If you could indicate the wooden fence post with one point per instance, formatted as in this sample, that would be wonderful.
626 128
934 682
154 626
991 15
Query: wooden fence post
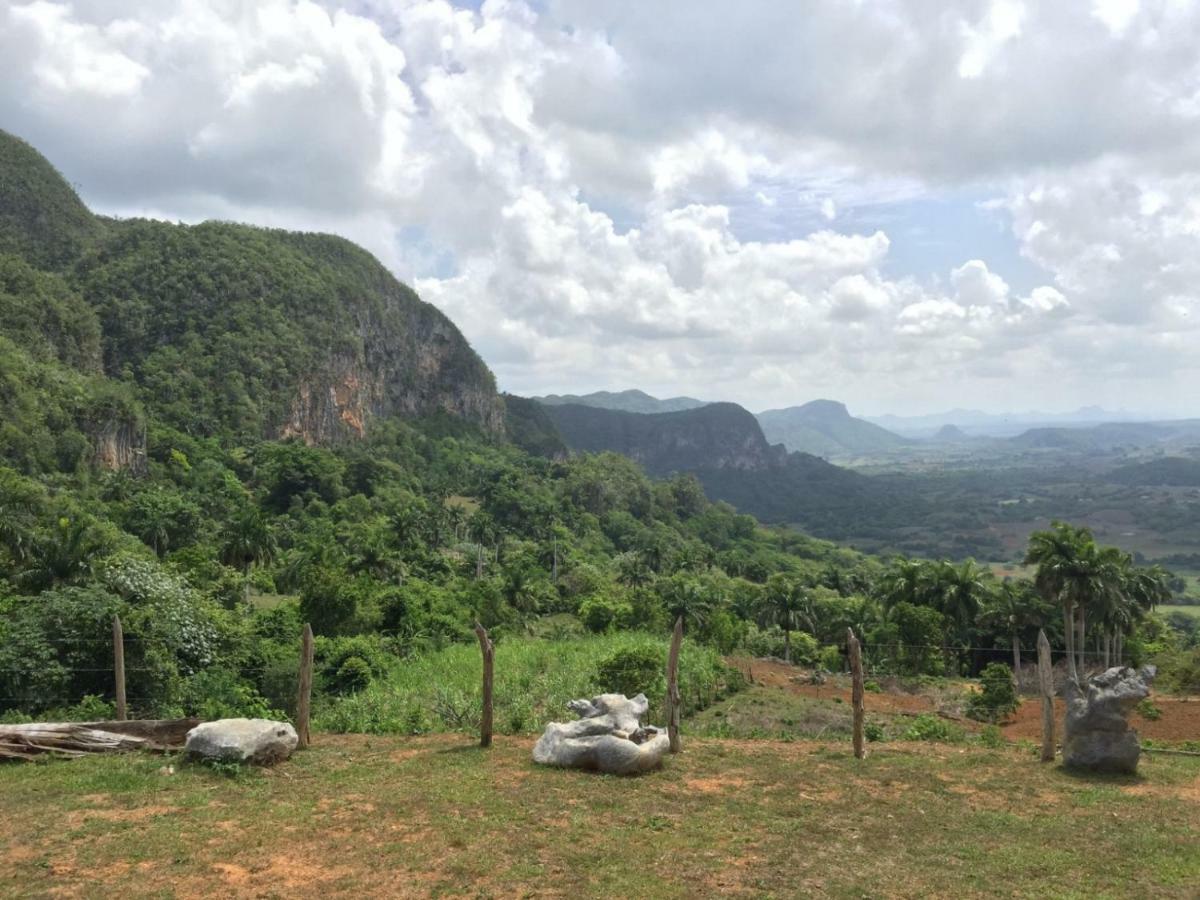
304 696
856 691
1046 688
488 649
119 667
674 701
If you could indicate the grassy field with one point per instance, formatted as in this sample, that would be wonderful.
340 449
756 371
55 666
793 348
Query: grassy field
435 816
534 680
1193 611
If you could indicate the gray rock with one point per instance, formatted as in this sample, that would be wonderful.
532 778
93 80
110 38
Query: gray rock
608 737
258 741
1097 735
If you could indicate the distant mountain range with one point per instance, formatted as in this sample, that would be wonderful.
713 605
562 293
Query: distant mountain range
975 423
624 401
822 427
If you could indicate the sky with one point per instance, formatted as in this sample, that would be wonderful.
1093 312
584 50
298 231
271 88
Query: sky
900 204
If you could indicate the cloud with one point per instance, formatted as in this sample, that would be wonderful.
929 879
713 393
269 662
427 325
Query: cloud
702 202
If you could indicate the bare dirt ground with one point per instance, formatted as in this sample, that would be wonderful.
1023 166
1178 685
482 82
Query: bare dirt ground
1180 719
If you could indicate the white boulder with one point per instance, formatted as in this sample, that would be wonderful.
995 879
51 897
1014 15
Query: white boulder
261 742
608 737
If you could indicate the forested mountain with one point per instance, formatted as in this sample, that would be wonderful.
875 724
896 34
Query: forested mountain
716 436
624 401
826 428
723 446
216 328
219 432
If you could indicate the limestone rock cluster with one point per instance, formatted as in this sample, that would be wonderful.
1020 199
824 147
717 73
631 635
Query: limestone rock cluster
1097 734
608 737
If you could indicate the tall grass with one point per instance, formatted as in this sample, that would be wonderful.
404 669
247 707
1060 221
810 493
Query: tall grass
535 678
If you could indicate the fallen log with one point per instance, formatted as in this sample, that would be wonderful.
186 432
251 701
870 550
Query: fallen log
71 739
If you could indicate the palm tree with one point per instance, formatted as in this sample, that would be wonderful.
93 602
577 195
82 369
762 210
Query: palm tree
785 603
1140 590
248 539
906 581
66 553
957 593
1014 608
686 597
1077 575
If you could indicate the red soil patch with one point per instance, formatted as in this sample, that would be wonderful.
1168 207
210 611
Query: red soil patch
1180 720
836 687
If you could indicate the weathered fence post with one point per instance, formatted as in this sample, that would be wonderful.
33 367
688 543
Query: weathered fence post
119 667
674 701
488 649
304 696
1046 689
856 691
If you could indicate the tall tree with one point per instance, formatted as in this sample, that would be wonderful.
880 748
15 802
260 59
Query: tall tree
785 603
1073 572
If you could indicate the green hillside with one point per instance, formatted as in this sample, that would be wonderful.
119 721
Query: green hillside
222 328
42 220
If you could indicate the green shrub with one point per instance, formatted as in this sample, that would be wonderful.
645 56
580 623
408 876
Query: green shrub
997 698
871 686
873 732
929 727
601 614
353 675
220 694
991 737
830 658
637 670
1148 710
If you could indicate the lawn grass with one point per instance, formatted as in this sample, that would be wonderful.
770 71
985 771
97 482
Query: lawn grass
435 816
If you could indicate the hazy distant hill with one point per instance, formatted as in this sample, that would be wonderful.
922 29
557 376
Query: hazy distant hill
624 401
826 428
1109 436
951 434
974 422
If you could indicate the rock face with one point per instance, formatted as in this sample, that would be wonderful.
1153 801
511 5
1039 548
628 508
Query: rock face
1098 737
120 444
261 742
608 737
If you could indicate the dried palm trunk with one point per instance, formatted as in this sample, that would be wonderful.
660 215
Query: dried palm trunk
78 738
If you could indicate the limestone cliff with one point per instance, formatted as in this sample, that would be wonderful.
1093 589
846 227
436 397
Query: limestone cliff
222 330
716 436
